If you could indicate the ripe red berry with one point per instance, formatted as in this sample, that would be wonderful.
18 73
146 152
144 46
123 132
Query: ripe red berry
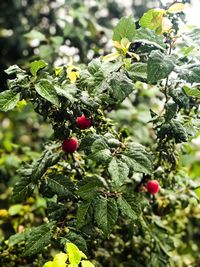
70 145
83 122
152 187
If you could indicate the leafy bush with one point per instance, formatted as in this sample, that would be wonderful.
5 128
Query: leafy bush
140 108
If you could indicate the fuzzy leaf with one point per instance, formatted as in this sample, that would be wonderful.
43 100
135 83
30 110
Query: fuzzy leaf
137 158
119 172
45 89
159 66
8 100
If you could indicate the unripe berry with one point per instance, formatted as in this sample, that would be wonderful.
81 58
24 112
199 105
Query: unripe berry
152 187
83 122
70 145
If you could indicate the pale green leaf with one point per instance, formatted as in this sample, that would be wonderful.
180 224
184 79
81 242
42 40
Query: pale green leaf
35 66
124 29
47 91
8 100
153 20
194 91
35 35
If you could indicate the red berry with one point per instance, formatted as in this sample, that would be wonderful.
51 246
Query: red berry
83 122
152 187
70 145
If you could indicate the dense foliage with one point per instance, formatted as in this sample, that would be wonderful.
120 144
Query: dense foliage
111 161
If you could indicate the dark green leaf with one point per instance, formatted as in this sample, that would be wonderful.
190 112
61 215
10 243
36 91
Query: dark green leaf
38 238
119 172
89 187
106 214
82 213
126 208
137 158
138 70
159 66
24 188
59 184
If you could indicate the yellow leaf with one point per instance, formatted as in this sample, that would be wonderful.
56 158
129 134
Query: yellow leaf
125 44
60 260
177 7
117 45
75 255
48 264
58 70
86 263
111 57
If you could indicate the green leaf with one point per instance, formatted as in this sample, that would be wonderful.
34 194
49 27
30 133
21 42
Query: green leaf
159 66
76 239
59 184
106 214
15 209
119 172
75 255
35 66
153 20
126 208
8 100
190 73
45 89
35 35
100 151
82 213
18 238
38 238
125 28
137 158
194 91
121 86
149 37
49 157
138 70
68 91
14 69
23 189
89 187
30 174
